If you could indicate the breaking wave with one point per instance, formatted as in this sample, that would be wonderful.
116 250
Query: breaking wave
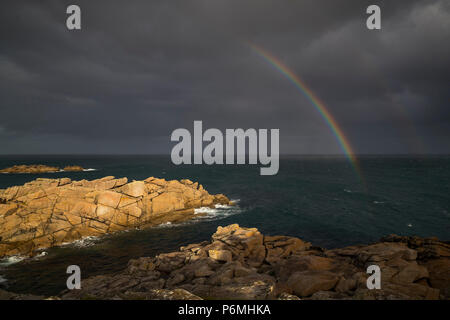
219 211
82 243
11 260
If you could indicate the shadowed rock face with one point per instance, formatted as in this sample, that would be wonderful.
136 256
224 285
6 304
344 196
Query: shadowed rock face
38 168
48 212
241 263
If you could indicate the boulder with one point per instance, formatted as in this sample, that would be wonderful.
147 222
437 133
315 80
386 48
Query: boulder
220 255
108 198
134 189
306 283
439 275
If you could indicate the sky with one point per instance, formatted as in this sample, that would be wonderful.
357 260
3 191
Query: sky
137 70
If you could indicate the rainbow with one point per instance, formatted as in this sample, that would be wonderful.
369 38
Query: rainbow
316 102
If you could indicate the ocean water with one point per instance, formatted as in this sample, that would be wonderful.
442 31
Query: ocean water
318 199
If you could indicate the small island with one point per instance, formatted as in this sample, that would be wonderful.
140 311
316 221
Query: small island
39 168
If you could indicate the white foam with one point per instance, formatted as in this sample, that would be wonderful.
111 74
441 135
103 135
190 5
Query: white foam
219 211
82 243
89 169
2 279
40 255
11 260
165 225
206 210
378 202
223 206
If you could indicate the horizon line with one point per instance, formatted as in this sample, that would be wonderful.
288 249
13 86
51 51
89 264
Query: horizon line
168 154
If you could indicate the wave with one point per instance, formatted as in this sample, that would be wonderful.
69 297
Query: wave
206 210
82 243
5 262
166 225
220 211
84 170
3 280
11 260
40 255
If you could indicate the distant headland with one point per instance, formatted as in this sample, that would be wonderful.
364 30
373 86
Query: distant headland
39 168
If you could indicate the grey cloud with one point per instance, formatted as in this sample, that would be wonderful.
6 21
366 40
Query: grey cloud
140 69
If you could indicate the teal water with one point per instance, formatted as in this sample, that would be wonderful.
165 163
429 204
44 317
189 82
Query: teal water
318 199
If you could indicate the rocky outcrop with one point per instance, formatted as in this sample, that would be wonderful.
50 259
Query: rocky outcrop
34 168
38 168
73 168
48 212
241 263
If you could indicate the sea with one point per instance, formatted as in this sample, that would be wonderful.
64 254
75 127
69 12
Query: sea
321 199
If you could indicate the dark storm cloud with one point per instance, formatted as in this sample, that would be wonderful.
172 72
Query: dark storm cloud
139 69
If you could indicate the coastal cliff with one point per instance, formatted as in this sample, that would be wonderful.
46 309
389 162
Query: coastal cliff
242 263
48 212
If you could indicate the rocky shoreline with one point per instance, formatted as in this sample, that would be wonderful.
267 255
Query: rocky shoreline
237 263
49 212
39 168
242 263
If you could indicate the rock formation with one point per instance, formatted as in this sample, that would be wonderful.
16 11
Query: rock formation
48 212
34 168
38 168
73 168
241 263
